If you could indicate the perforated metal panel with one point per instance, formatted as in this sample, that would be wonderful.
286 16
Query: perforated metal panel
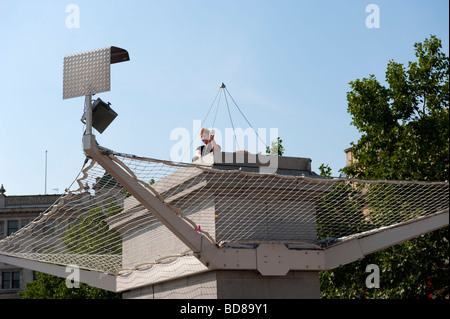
87 73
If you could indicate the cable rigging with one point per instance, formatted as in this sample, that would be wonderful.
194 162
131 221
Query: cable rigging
224 91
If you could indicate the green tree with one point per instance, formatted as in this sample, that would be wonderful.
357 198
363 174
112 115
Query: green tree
404 126
325 170
417 269
88 235
91 235
275 148
404 130
339 212
51 287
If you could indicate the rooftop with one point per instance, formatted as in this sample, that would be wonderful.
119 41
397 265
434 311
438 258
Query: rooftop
258 163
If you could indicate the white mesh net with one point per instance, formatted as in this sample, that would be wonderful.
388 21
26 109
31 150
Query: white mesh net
101 226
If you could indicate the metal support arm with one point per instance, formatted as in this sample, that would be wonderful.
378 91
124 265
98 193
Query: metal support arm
199 244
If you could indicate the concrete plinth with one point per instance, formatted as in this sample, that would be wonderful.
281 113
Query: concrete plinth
233 285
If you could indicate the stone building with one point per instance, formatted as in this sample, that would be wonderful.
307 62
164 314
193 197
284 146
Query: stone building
16 212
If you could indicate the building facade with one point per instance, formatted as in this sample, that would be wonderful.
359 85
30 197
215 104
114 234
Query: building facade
15 213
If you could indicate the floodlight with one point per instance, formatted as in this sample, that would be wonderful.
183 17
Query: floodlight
89 72
102 115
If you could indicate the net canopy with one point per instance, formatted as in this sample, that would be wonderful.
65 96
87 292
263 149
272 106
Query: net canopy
99 225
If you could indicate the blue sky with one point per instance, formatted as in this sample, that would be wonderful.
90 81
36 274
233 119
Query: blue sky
286 63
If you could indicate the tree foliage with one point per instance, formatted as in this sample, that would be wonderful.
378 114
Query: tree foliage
325 170
417 269
404 130
91 235
404 126
88 235
51 287
276 148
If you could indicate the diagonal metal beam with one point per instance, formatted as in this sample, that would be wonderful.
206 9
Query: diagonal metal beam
204 249
357 247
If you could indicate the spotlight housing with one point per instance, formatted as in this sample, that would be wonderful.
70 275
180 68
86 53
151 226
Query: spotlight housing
102 115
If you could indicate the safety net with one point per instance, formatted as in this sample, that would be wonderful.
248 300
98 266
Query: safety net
99 225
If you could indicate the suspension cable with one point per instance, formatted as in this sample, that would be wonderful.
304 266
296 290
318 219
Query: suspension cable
201 124
232 124
244 116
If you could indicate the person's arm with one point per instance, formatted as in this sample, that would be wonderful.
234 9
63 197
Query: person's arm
214 146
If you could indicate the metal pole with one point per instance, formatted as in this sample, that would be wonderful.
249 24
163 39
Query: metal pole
88 112
45 191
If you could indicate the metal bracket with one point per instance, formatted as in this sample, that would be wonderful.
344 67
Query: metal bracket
272 259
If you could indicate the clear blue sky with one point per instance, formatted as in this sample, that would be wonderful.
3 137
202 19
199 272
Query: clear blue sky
286 63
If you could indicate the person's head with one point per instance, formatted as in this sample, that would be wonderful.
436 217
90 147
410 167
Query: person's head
204 135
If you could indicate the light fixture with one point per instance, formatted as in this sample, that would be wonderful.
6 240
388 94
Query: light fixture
89 73
102 115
